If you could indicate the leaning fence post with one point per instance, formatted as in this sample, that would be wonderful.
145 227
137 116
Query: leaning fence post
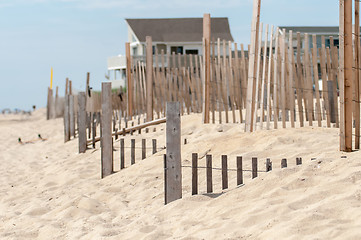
194 173
106 133
254 167
224 172
82 122
94 132
239 171
173 158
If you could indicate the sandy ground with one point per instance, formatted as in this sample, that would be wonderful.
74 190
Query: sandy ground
49 191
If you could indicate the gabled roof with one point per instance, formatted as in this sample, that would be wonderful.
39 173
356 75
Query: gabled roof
178 29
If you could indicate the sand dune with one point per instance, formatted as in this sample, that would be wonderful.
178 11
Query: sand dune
49 191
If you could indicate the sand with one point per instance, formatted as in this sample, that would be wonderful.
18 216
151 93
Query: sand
49 191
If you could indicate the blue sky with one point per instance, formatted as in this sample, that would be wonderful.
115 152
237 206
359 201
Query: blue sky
77 36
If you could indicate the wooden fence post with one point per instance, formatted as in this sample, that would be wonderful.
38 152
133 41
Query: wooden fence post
251 88
207 65
254 167
71 115
149 76
239 171
129 81
82 122
144 154
121 153
173 159
66 119
284 163
268 165
331 101
298 161
209 174
224 172
106 131
154 142
94 125
132 151
194 173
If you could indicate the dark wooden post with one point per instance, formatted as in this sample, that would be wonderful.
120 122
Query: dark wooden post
122 153
106 131
82 122
284 163
132 151
239 171
268 165
224 172
209 174
144 155
154 143
254 167
194 173
298 161
173 145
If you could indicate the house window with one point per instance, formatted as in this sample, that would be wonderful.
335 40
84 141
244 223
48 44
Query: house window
135 51
192 51
176 49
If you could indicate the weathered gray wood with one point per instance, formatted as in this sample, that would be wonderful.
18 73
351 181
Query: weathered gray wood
194 173
132 151
122 153
144 149
165 179
82 122
129 81
209 174
224 172
149 76
154 142
284 163
173 146
239 171
254 167
66 119
331 101
106 131
268 165
71 115
298 161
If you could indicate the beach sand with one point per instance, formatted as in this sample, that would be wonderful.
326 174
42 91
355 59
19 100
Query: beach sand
49 191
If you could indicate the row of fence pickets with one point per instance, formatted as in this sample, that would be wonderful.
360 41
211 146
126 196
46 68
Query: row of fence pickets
228 86
224 169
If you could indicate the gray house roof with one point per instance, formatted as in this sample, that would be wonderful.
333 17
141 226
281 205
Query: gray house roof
179 29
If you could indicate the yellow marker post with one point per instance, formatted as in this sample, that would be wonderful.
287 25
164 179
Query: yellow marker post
51 79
